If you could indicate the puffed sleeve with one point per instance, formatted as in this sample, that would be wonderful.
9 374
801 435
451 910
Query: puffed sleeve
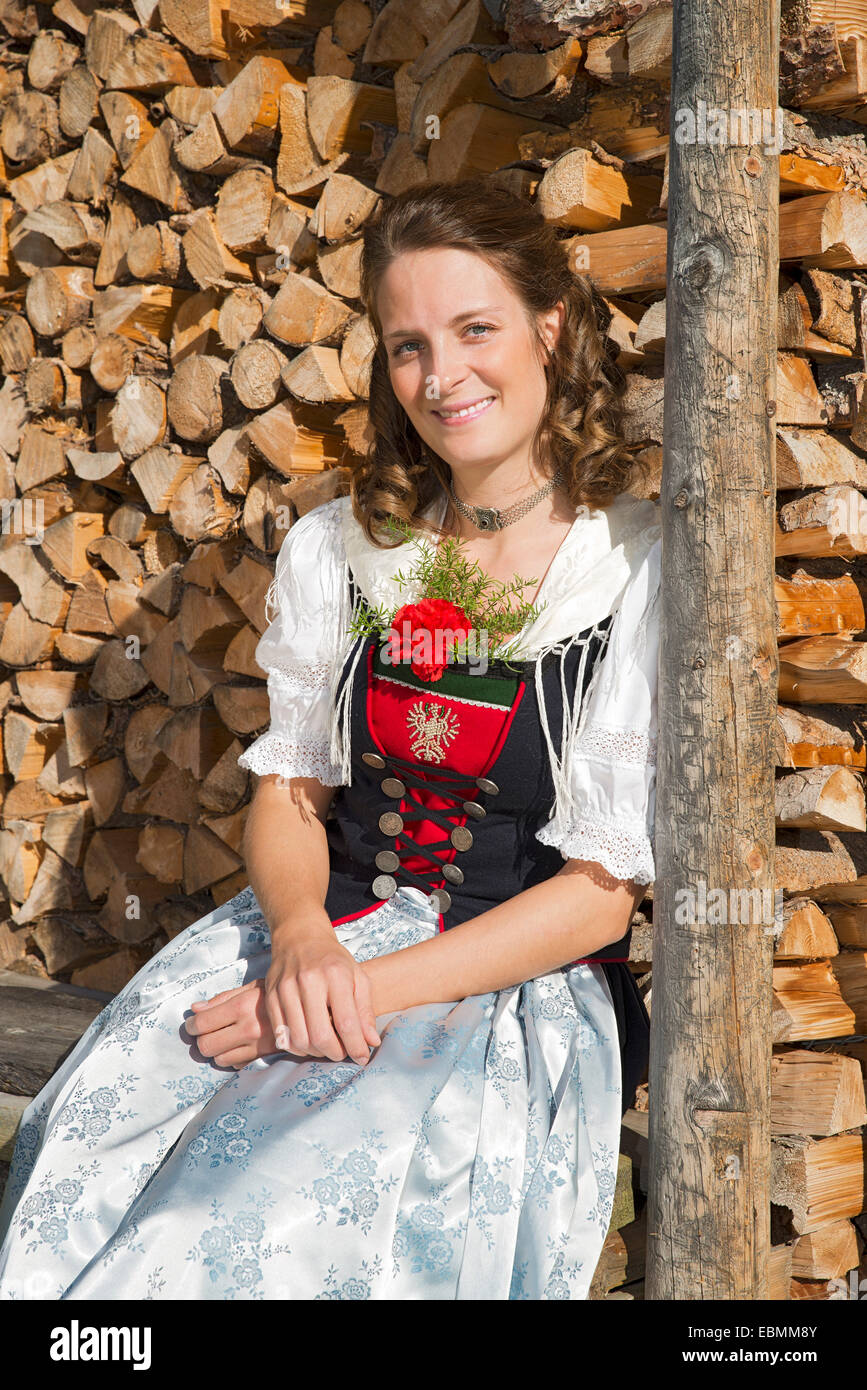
611 773
298 650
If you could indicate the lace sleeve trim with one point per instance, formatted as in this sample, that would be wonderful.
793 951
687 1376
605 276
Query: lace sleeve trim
617 745
301 675
302 757
625 851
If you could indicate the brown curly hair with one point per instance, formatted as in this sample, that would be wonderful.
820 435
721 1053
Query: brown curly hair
582 422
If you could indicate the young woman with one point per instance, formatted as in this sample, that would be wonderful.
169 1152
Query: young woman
394 1066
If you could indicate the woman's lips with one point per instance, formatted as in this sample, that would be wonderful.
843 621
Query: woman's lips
473 414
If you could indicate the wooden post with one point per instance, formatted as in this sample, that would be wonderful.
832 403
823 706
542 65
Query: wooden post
710 1054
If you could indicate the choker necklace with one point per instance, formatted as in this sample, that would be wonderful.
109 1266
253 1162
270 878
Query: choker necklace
492 519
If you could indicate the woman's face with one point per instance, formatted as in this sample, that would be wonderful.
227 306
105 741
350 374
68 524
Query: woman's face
457 336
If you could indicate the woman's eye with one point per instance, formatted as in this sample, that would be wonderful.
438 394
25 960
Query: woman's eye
413 345
486 327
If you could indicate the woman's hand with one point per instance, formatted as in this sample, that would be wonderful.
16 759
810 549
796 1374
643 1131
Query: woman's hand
233 1027
315 1001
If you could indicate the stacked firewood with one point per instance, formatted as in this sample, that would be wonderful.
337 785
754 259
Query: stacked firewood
183 188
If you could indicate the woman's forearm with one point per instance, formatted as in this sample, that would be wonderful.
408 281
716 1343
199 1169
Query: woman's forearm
573 914
286 850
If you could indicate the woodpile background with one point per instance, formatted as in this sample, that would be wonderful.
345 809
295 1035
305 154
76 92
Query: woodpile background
183 185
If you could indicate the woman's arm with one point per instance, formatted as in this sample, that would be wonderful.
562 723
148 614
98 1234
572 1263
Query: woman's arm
574 913
286 851
316 998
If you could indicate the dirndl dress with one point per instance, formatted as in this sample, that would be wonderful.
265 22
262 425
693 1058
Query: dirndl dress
473 1157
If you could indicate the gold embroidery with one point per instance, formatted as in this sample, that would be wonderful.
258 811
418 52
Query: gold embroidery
432 730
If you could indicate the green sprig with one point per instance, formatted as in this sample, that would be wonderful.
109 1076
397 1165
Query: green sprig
449 575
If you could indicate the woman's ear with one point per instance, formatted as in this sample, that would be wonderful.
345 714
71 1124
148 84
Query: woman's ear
551 326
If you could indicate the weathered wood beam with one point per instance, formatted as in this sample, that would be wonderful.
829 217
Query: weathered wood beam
710 1048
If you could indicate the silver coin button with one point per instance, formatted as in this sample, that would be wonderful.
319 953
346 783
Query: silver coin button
392 786
384 886
461 837
390 823
387 860
373 760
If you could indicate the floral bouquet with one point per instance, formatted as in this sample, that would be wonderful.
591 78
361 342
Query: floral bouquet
459 607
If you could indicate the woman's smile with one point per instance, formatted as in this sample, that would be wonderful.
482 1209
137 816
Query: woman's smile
459 415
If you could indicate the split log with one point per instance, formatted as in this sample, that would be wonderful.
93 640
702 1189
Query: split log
77 101
329 58
107 33
351 24
828 798
288 444
208 258
112 361
50 58
17 344
200 399
475 139
247 111
153 170
289 234
241 315
818 1180
825 669
138 417
304 312
50 385
336 112
244 210
344 205
808 1003
137 311
46 183
816 1093
194 326
122 222
314 375
340 268
255 370
300 167
203 150
59 298
147 64
77 346
830 522
30 129
356 355
91 171
578 191
518 74
809 606
65 229
128 124
807 932
154 253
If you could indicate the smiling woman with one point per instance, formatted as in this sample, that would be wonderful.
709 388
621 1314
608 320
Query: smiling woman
394 1065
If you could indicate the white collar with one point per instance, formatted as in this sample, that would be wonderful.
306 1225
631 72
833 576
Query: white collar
583 585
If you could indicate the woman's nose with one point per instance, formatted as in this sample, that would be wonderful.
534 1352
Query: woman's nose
445 371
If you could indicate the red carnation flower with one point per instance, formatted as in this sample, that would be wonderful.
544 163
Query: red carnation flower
420 629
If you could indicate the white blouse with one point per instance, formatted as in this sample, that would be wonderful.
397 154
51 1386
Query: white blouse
604 774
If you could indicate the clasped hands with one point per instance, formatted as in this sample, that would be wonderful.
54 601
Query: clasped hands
315 1001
